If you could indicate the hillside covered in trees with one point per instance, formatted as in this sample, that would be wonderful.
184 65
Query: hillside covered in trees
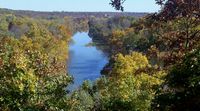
49 15
154 59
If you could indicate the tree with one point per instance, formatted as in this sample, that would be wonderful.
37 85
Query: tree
26 82
33 66
178 28
117 4
128 86
180 91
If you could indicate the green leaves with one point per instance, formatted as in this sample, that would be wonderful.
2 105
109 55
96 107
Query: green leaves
128 86
32 69
182 85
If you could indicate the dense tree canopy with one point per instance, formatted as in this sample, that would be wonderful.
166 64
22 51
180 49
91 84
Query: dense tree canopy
171 36
182 92
32 64
154 61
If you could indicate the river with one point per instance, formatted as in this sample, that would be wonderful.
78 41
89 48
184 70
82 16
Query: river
85 62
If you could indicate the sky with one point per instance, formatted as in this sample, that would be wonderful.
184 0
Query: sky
78 5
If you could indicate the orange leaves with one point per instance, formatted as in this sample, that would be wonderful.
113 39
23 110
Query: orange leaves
64 32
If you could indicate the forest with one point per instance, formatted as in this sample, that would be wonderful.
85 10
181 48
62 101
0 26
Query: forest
154 59
51 15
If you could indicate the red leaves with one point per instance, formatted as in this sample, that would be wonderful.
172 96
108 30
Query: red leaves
180 8
1 63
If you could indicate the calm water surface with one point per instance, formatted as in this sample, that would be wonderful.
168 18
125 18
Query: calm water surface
85 62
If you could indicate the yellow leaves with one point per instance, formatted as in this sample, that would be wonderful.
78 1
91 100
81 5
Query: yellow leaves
28 64
141 61
122 65
64 33
21 87
117 38
26 43
146 81
32 81
133 87
118 33
25 82
129 64
129 30
130 82
18 58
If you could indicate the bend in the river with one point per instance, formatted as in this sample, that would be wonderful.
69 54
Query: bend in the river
85 62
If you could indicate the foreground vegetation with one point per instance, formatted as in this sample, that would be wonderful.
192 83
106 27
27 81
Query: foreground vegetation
33 56
154 65
169 40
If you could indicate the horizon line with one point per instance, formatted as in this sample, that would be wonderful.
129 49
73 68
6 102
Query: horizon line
73 11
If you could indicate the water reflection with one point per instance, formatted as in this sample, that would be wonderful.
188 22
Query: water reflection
85 62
